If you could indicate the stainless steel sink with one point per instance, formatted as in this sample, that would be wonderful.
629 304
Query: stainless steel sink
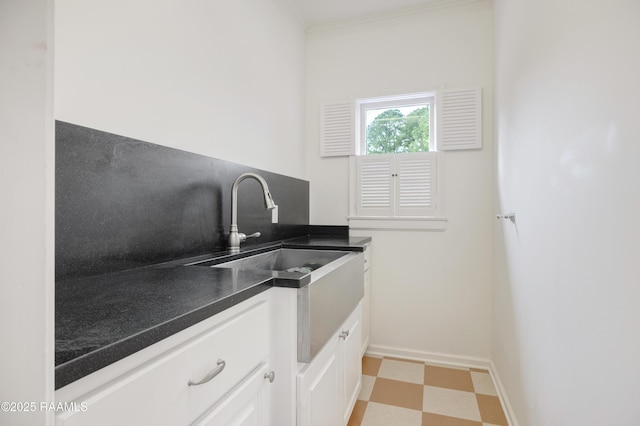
334 292
335 289
286 260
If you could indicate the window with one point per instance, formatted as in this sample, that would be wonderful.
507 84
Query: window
395 145
396 169
457 123
396 125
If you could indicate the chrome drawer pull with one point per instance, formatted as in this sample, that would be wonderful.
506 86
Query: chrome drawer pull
344 335
208 377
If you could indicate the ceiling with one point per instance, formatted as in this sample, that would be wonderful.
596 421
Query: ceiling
316 13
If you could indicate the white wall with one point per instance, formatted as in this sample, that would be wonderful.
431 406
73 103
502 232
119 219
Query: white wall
223 79
26 219
567 290
430 290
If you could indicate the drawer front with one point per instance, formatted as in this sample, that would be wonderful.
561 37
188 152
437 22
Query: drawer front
247 404
242 344
158 392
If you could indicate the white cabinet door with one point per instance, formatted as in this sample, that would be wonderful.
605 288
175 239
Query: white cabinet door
319 388
351 362
329 385
246 405
366 309
366 300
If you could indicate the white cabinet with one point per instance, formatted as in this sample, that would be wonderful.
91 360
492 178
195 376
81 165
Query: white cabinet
351 362
236 349
213 372
327 387
366 300
319 388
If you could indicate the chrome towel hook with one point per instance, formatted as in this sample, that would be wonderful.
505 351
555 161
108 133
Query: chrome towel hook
511 216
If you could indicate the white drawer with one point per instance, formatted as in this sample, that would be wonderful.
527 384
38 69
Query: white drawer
158 393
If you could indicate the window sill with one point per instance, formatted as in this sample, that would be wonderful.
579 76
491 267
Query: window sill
400 224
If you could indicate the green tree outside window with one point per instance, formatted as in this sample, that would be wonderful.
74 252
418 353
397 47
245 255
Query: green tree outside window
393 132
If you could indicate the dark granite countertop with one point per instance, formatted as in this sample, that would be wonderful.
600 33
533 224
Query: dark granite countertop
327 242
102 319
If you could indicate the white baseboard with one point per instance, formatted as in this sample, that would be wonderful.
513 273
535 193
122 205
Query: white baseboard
502 394
430 357
450 361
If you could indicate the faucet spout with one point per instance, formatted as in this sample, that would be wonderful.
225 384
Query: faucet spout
235 237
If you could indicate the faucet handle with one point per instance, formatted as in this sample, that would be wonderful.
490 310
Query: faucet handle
242 237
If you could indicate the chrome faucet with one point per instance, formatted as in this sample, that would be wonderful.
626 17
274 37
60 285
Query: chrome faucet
235 237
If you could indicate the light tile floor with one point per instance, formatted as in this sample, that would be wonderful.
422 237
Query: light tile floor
398 392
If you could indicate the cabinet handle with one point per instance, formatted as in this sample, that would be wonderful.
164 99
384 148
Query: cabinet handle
208 377
344 334
271 376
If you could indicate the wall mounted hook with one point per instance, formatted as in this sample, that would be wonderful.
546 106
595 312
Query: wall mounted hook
511 216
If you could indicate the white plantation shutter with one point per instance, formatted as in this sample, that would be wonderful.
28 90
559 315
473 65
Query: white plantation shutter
396 185
459 119
337 136
415 178
375 185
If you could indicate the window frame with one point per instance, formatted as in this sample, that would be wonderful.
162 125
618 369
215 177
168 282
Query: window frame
355 218
391 102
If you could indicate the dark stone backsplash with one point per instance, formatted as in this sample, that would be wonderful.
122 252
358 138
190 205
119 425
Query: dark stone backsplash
123 203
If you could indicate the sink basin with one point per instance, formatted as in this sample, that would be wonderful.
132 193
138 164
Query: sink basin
336 286
286 260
